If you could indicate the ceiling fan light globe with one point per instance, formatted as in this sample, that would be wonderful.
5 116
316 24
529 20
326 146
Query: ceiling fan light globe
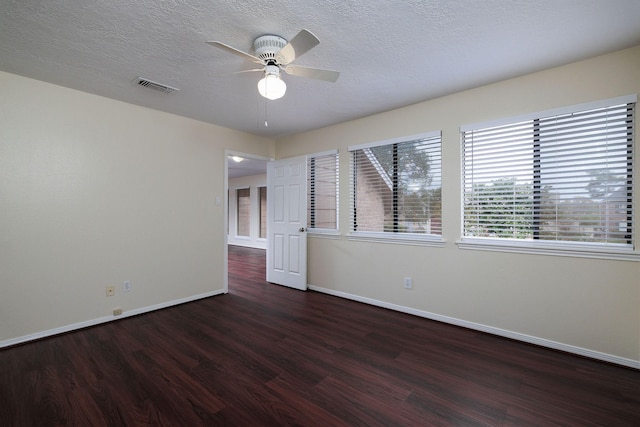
272 87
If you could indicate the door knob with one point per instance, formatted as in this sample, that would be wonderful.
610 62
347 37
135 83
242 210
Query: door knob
302 230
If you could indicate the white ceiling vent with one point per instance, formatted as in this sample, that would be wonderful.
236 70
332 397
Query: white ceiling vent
156 86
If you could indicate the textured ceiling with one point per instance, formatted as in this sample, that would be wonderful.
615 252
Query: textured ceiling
390 54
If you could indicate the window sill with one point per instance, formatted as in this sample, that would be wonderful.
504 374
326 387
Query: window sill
323 233
397 238
537 248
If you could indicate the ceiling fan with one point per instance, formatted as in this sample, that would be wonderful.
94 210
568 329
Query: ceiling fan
274 54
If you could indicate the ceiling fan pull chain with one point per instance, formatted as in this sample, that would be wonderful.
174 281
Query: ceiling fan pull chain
266 123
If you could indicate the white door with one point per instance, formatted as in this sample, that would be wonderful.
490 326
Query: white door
287 222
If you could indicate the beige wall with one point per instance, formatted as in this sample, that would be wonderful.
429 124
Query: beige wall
576 303
94 192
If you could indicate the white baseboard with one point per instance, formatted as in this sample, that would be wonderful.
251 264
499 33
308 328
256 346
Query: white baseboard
425 314
489 329
248 243
105 319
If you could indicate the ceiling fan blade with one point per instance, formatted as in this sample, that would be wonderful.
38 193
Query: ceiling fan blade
236 52
248 71
301 43
312 73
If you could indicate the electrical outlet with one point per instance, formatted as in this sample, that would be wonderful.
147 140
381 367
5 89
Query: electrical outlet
126 286
111 291
117 311
408 283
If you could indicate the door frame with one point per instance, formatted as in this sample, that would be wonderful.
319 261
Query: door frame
225 251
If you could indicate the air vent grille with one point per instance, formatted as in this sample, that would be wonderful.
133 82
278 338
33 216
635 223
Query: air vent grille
156 86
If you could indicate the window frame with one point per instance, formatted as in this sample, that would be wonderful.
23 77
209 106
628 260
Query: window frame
262 212
237 212
418 239
550 247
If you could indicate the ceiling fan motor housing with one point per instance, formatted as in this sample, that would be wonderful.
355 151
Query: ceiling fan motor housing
267 46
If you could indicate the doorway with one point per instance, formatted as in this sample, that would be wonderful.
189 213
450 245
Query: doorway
244 212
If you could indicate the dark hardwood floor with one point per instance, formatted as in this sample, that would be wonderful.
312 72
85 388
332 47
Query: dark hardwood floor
264 355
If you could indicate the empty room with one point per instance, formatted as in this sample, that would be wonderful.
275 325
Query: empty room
319 213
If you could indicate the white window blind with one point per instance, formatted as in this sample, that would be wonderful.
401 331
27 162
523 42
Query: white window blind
322 195
396 187
559 178
262 193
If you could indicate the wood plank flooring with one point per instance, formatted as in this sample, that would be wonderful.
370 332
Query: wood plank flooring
264 355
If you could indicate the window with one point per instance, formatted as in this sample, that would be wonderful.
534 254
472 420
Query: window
263 212
561 178
244 212
322 196
396 187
